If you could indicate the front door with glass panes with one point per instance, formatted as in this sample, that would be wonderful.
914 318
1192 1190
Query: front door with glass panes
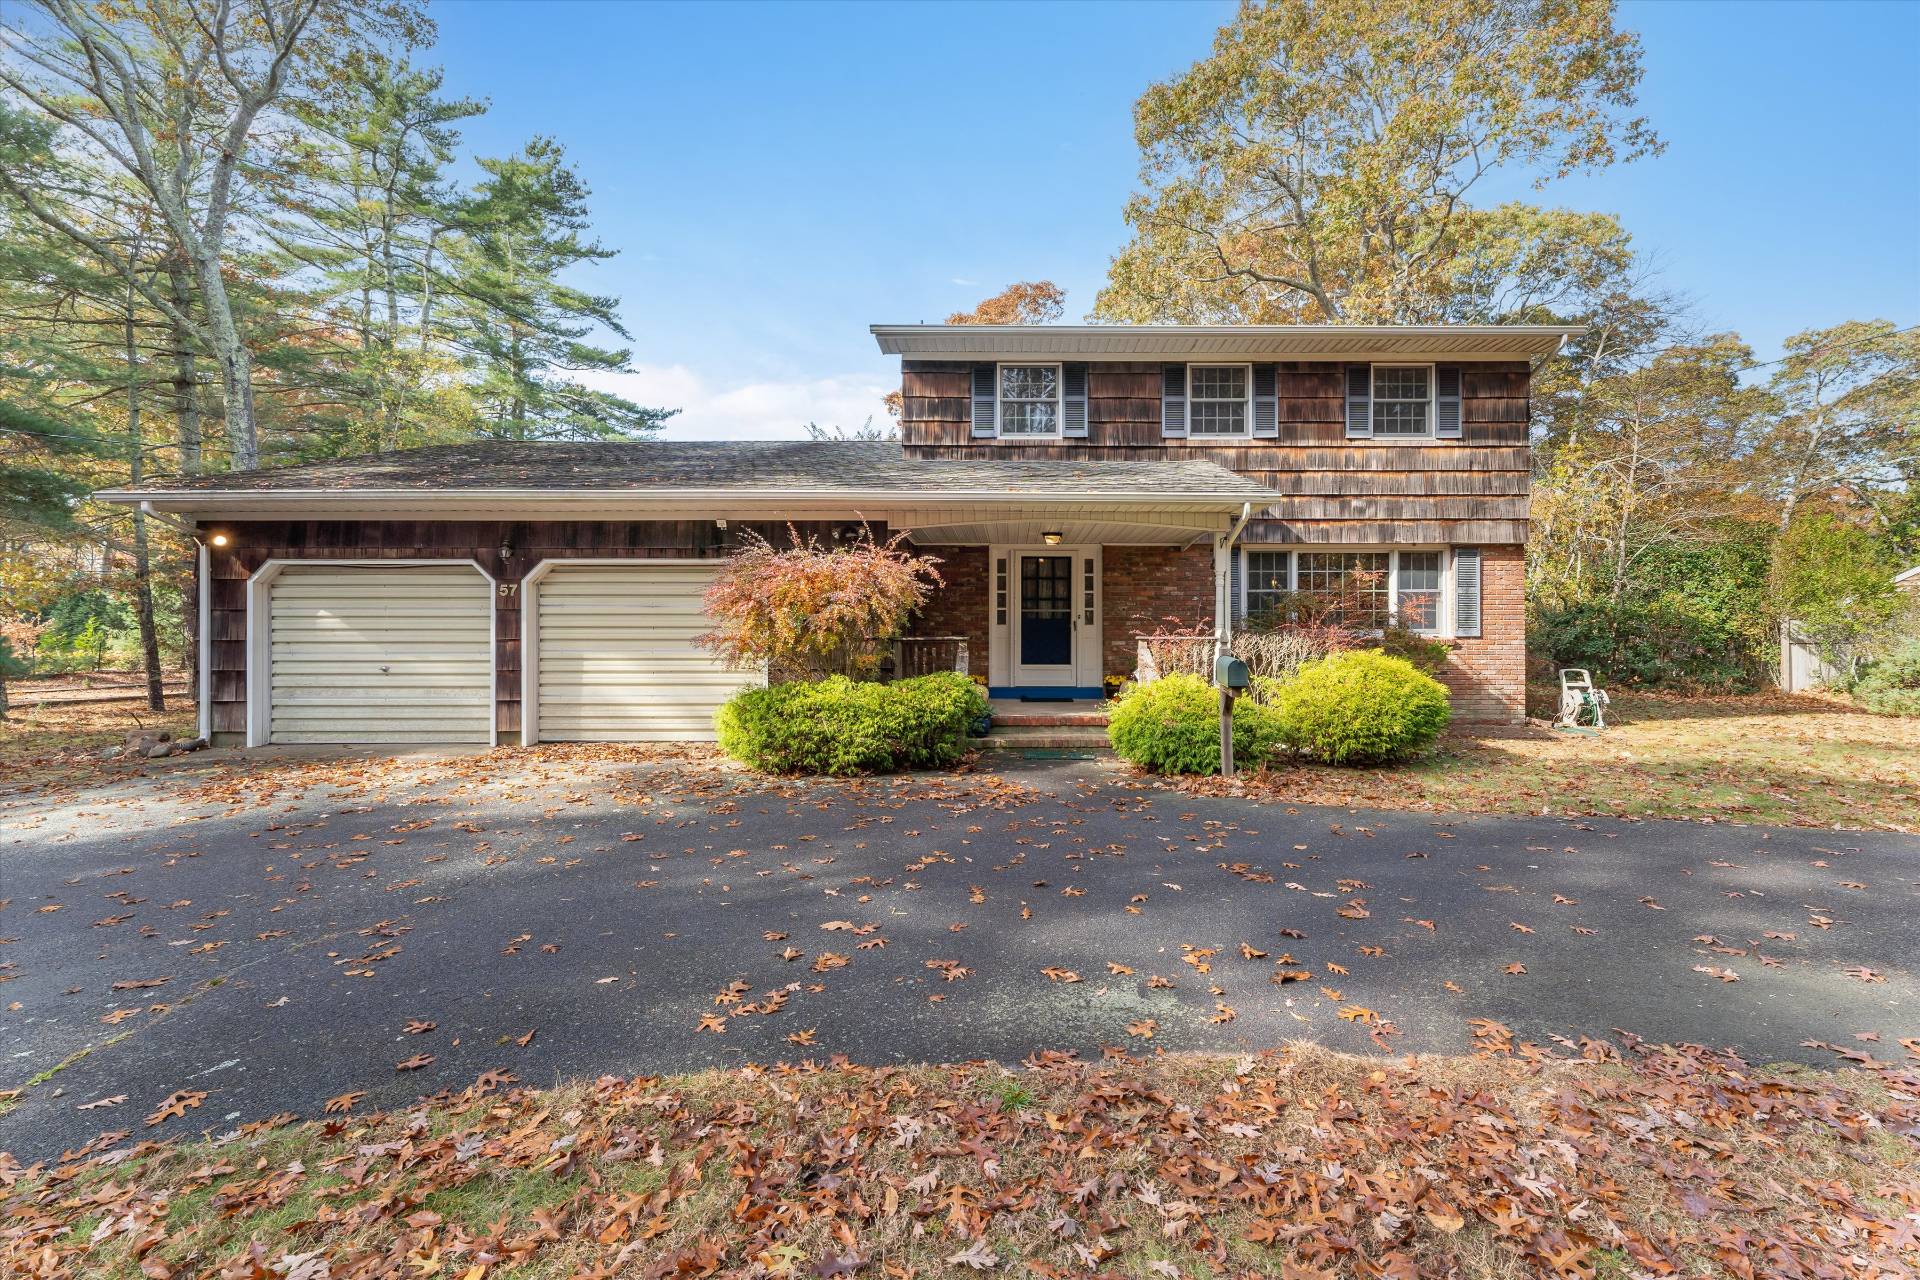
1054 637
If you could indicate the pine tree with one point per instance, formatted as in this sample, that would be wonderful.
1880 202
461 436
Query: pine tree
520 327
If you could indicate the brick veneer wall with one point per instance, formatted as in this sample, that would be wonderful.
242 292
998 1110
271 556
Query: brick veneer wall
959 607
1143 587
1488 676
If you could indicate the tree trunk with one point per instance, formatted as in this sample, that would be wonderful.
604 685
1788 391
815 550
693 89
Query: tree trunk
426 289
186 373
236 369
142 560
390 339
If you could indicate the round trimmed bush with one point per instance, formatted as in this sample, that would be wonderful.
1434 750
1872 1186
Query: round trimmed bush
840 727
1360 707
1172 725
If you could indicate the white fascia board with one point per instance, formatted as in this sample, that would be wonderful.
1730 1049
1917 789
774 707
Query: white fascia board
1122 342
536 503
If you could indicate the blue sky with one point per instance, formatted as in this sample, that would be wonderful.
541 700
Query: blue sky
779 176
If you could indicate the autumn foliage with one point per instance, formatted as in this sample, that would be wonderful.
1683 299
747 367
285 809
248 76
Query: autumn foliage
808 610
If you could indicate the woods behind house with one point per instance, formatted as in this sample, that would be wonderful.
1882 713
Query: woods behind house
249 233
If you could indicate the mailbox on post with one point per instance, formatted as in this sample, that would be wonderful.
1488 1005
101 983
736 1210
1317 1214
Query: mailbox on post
1231 673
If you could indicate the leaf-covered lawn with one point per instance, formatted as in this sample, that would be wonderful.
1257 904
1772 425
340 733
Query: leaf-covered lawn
1297 1163
1768 758
61 743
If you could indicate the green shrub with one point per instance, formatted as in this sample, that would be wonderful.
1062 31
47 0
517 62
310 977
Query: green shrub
1669 642
839 726
1172 725
1424 652
1362 707
1891 685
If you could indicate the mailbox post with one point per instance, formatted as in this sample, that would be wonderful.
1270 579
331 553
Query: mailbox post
1231 675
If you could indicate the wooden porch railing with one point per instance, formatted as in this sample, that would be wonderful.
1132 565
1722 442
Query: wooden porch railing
1157 656
924 655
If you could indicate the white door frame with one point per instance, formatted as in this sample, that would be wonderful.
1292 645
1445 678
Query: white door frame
1085 669
260 635
530 622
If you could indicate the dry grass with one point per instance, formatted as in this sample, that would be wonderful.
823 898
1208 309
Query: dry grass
1768 758
1298 1163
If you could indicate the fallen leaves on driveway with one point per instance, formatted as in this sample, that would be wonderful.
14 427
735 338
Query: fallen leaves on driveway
1639 1159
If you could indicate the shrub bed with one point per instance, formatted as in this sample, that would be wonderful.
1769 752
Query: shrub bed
1891 686
1361 707
841 727
1172 725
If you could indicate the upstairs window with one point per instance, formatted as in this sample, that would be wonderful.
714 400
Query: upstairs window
1217 399
1402 400
1029 399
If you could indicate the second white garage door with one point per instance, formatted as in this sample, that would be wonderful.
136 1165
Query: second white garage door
617 660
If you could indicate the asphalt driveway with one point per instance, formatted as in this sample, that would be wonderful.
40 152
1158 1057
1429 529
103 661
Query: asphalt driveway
275 933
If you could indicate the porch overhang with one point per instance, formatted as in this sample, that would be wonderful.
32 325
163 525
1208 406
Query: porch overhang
1164 502
951 517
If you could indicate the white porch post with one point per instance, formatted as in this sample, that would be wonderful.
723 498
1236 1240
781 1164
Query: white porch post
1222 607
1223 581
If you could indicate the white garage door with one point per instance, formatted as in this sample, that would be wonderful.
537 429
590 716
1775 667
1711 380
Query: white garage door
382 654
617 659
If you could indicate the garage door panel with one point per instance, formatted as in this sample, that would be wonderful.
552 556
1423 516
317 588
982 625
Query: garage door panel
618 659
391 655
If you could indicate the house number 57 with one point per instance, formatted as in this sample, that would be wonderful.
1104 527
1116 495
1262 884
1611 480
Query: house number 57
509 589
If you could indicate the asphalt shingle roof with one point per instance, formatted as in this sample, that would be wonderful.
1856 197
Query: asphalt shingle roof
822 466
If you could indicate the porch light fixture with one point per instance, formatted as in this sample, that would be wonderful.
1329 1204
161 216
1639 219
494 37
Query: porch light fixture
1051 537
217 540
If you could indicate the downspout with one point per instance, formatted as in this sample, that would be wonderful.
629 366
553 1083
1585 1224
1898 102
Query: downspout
1223 580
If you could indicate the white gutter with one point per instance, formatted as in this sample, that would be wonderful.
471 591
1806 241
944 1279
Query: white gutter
172 522
191 499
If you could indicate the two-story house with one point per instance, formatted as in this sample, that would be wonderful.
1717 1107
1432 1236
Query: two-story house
1081 485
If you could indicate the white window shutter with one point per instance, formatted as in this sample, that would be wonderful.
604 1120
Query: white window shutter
1173 400
983 399
1359 402
1266 402
1073 395
1466 593
1446 402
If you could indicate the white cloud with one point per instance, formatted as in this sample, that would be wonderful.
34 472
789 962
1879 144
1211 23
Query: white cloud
750 411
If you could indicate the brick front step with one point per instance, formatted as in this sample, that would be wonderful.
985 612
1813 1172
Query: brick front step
1034 738
1042 719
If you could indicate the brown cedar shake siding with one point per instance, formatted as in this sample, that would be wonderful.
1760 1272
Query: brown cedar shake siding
1328 490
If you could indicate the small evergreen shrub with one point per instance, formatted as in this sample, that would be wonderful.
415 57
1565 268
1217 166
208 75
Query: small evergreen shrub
1361 707
1891 685
842 727
1172 725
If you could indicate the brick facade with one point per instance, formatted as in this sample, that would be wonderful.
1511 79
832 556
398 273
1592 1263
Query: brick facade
1488 676
959 607
1146 590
